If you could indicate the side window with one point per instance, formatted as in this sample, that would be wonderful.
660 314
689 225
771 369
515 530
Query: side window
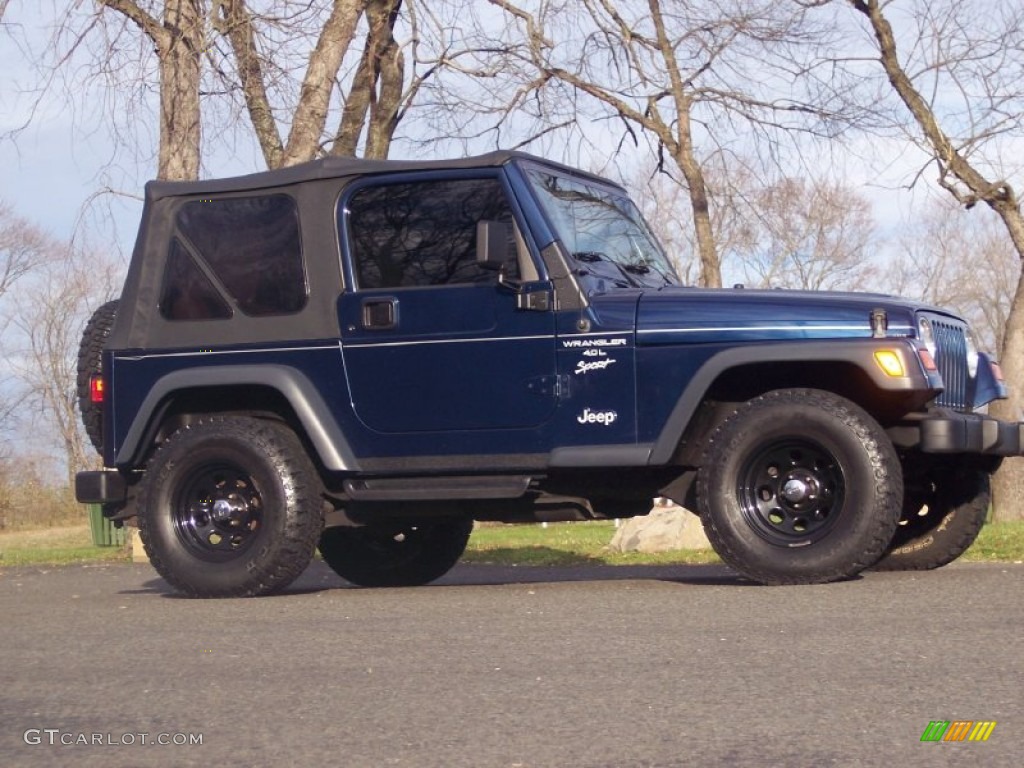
250 244
423 233
187 293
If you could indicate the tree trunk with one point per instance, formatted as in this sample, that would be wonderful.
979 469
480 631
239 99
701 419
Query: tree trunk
710 267
1008 482
315 95
684 155
376 90
179 91
235 22
384 112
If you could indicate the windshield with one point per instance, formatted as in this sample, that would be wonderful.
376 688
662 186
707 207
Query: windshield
601 228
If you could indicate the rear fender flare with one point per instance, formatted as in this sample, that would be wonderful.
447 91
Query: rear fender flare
316 418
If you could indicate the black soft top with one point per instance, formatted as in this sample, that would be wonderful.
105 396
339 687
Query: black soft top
338 167
315 186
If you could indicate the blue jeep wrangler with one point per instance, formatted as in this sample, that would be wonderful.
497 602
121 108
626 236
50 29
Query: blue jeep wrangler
366 356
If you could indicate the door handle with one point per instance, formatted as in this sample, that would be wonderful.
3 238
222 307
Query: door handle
379 314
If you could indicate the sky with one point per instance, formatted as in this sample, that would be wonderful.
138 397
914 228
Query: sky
52 166
52 170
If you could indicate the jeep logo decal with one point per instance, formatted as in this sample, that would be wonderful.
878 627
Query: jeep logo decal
604 418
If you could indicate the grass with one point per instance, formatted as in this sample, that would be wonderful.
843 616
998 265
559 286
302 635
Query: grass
560 544
55 546
564 544
1001 542
586 543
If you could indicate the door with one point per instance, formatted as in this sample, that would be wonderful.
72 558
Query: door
433 341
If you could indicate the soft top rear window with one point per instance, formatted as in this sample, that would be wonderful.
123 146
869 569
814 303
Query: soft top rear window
249 246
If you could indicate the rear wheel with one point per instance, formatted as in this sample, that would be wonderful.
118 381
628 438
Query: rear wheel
799 487
396 555
229 507
943 512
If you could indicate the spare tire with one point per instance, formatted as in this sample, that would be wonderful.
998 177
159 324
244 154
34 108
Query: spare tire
90 360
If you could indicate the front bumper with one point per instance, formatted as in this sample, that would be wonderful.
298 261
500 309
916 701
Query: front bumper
943 431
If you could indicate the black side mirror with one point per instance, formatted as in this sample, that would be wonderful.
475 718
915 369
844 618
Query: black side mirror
495 244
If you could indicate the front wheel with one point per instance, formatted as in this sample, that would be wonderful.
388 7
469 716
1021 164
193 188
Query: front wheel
799 486
229 507
397 554
944 511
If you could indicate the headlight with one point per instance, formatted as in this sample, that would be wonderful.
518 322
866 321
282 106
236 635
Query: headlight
924 330
972 353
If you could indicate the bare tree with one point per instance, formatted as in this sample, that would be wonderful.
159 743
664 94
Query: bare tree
178 39
811 235
308 116
962 84
24 248
664 201
686 73
286 76
964 262
661 200
49 316
378 92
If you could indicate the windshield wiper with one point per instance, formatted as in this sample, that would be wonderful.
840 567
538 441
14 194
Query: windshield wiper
637 269
592 257
646 269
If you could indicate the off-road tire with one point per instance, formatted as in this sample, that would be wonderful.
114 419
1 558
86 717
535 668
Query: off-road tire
90 358
799 486
230 507
955 502
398 555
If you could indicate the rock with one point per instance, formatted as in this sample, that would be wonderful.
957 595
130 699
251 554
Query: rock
663 530
138 551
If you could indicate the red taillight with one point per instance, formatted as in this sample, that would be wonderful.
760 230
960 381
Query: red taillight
96 388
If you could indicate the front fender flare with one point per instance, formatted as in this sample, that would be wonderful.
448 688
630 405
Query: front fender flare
858 352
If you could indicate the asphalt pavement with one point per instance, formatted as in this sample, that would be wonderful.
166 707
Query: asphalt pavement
595 667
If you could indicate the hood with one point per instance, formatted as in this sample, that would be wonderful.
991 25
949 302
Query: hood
675 315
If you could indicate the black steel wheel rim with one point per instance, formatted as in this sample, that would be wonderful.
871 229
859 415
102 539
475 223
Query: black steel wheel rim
791 492
218 512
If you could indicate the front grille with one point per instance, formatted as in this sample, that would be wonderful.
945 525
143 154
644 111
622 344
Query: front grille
951 359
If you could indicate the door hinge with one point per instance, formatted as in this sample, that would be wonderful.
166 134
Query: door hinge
547 386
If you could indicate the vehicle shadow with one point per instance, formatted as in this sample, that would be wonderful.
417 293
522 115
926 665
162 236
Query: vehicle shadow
318 577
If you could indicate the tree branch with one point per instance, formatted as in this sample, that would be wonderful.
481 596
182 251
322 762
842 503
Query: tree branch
236 24
152 28
315 94
950 161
